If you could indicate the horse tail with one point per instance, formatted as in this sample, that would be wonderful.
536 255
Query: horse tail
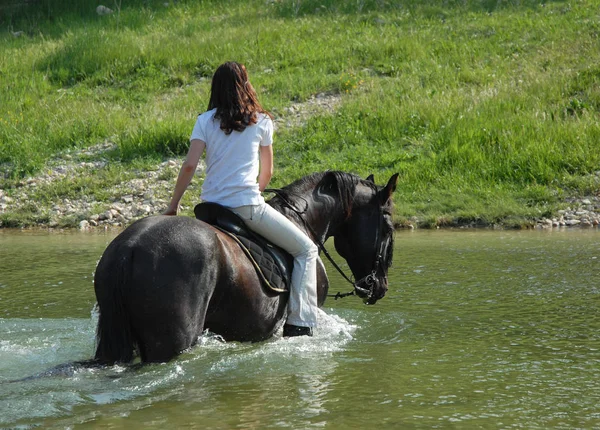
114 339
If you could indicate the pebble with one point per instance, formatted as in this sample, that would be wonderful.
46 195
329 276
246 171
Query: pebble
106 216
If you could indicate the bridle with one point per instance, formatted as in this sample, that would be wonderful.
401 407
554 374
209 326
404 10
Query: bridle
370 281
364 286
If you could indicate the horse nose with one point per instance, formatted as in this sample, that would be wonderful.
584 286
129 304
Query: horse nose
383 287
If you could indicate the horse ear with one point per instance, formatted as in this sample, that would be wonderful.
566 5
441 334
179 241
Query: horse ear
371 178
386 193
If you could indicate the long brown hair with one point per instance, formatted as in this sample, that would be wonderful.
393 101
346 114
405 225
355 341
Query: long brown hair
234 98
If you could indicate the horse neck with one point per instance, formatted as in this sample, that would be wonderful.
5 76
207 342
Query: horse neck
324 219
318 218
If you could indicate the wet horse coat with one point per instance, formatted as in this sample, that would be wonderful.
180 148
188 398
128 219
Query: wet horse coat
164 280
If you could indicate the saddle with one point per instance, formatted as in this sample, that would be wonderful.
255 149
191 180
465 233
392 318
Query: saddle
273 265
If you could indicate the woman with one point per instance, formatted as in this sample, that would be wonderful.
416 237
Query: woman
237 134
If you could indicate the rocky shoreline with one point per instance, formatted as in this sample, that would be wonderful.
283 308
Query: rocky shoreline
138 197
149 193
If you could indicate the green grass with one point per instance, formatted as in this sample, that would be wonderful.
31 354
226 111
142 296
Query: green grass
488 109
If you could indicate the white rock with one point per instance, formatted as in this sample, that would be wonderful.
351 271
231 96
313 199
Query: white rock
84 225
103 10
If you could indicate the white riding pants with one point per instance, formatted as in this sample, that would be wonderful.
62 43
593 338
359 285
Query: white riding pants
273 226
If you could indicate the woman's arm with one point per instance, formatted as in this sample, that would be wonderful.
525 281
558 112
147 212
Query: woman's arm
266 167
188 168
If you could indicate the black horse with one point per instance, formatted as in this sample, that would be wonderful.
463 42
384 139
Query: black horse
166 279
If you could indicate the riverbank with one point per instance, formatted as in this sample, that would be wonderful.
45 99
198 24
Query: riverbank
146 190
489 111
91 188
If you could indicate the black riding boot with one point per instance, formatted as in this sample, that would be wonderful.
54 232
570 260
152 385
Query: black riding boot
290 330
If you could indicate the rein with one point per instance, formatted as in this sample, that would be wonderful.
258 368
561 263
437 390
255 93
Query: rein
369 280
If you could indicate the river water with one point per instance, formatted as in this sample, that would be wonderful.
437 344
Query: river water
480 329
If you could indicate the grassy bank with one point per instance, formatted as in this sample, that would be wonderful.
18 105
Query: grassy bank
489 110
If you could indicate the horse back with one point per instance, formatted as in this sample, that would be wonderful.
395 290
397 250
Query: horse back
152 288
164 280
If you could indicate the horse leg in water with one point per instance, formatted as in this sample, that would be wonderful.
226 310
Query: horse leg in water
153 285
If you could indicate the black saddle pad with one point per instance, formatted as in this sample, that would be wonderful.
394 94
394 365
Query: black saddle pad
272 264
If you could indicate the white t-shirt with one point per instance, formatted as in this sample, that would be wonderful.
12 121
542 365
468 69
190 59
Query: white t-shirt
232 161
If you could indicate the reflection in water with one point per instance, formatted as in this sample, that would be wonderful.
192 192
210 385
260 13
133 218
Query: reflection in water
479 329
42 274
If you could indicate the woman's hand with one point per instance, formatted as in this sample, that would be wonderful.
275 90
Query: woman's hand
170 211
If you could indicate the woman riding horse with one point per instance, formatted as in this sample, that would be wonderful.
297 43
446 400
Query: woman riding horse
166 279
234 131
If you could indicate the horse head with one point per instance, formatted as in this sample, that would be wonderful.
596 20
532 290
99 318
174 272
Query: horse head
365 239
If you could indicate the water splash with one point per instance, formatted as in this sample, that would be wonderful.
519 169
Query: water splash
32 346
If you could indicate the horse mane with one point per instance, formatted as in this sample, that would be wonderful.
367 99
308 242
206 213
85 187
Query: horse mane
341 185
